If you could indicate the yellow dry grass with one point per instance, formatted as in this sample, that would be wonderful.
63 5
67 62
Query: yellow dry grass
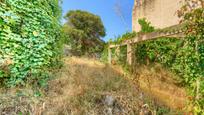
79 88
161 85
80 83
82 75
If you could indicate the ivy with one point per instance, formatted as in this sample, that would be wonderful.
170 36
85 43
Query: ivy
191 58
161 50
185 57
29 31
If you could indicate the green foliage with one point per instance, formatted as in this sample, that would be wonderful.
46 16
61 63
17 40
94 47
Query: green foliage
145 26
161 50
104 54
185 56
119 58
126 36
188 6
191 58
29 35
73 38
84 30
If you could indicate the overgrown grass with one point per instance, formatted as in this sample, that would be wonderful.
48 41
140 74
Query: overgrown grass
85 84
82 86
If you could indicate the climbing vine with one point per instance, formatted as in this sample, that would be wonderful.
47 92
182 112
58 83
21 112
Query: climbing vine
29 31
185 57
190 60
161 50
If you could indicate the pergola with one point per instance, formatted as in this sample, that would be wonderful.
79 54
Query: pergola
176 31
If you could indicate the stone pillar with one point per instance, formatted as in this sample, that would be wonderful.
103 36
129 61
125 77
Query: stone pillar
117 52
109 55
129 54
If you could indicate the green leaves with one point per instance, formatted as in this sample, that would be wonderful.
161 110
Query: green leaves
162 50
184 57
85 31
28 33
145 26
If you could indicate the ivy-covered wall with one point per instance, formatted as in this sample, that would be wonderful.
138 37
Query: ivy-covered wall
29 31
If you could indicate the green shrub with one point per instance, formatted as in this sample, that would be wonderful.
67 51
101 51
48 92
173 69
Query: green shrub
145 26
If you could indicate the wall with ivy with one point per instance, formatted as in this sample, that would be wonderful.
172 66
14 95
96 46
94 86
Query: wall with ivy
163 50
29 33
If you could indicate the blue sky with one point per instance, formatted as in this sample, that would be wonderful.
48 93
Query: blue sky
106 10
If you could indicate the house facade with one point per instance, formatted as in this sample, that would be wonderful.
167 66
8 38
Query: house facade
161 13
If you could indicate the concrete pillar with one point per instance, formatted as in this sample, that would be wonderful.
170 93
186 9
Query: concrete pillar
129 54
117 52
109 55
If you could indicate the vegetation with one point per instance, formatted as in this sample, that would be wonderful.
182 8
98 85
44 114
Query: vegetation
126 36
161 50
84 30
82 86
145 26
182 56
29 32
31 47
191 63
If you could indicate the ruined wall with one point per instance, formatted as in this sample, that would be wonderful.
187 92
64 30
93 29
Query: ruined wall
161 13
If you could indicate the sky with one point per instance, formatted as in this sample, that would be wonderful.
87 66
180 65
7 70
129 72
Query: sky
106 9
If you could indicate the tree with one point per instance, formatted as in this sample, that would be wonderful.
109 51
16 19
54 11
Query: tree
85 30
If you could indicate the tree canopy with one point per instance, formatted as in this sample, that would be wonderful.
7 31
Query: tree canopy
85 30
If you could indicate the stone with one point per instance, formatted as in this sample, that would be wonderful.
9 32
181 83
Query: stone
109 100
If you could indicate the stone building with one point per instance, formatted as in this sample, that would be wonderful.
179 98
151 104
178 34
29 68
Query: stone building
161 13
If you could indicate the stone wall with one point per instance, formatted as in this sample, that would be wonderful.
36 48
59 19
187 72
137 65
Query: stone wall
161 13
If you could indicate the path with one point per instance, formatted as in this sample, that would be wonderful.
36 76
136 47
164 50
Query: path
88 87
86 84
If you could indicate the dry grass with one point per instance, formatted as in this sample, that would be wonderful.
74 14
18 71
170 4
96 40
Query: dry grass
15 101
161 85
84 84
82 87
